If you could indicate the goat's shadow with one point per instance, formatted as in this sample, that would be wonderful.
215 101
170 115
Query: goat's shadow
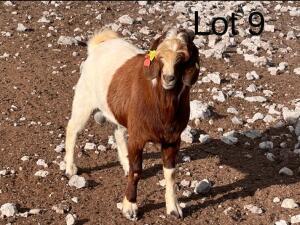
258 171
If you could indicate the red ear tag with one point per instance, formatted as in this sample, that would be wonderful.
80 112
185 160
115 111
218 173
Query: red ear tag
147 62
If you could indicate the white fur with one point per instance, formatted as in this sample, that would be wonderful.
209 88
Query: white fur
122 148
129 209
172 204
92 88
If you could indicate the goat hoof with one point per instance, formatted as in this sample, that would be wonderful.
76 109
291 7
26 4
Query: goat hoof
130 210
176 211
71 170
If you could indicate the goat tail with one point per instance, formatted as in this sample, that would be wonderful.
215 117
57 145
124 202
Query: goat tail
100 37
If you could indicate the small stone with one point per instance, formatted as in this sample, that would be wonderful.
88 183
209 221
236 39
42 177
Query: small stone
276 200
34 211
266 145
185 183
125 19
3 172
41 162
60 148
270 156
70 219
281 222
77 181
187 193
89 146
256 99
253 209
237 121
65 40
202 187
61 208
162 183
120 205
186 158
21 27
62 166
295 219
286 171
253 134
219 96
232 110
186 135
8 210
297 71
43 19
289 203
199 110
251 88
252 75
41 173
214 77
74 199
229 138
25 158
204 138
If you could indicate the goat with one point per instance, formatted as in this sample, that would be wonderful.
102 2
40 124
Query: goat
146 95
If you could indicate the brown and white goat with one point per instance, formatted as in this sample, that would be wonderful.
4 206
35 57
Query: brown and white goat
150 100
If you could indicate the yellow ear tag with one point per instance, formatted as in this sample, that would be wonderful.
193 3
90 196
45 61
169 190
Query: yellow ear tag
152 54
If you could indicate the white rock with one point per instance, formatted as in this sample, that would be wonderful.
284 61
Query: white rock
25 158
59 148
125 19
256 116
203 186
286 171
98 17
142 3
219 96
74 199
8 3
41 162
266 145
256 99
21 27
297 71
70 219
269 28
253 134
41 173
295 219
268 119
290 116
204 138
253 209
295 12
66 40
199 110
43 19
3 172
34 211
162 183
290 35
229 138
186 158
144 30
251 88
120 205
232 110
270 156
214 77
187 193
8 210
237 121
62 165
185 183
256 60
186 135
77 181
276 200
89 146
101 148
281 222
289 203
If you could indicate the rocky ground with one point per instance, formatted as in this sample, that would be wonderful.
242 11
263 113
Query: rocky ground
239 160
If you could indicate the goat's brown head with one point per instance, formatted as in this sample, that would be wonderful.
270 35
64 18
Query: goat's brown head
177 59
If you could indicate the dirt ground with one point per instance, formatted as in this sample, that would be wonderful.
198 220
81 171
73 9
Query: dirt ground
241 174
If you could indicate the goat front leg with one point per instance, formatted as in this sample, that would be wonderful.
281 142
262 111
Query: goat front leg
169 153
135 152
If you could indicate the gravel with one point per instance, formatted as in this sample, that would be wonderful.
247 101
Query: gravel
286 171
202 187
8 210
70 219
289 203
41 173
253 209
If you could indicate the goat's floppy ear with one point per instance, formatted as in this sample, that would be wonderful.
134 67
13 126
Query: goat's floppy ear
191 72
151 71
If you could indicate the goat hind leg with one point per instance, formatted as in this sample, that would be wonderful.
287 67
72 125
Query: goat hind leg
122 148
80 114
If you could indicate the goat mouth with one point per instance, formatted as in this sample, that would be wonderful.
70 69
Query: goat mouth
168 86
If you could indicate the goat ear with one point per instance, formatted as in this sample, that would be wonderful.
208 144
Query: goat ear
152 70
191 72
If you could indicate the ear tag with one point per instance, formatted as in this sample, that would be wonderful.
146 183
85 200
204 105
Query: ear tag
149 58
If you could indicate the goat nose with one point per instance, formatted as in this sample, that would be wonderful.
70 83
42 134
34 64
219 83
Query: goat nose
169 78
